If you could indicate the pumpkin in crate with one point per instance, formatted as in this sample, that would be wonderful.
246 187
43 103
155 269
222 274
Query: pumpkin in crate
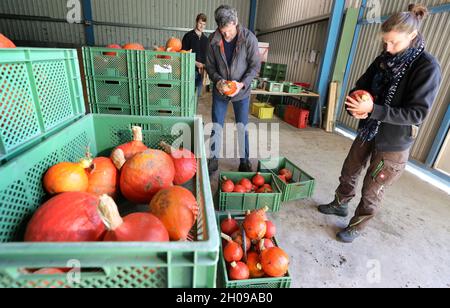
254 265
112 46
136 227
124 152
184 161
144 175
177 208
133 46
103 177
6 42
67 177
275 262
174 45
68 217
255 225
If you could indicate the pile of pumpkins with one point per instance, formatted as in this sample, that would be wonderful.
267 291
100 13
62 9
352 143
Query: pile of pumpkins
244 186
173 45
83 207
253 239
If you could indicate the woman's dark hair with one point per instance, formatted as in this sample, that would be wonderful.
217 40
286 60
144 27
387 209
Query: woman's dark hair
406 21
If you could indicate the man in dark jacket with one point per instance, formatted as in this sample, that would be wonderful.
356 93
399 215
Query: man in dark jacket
197 41
232 55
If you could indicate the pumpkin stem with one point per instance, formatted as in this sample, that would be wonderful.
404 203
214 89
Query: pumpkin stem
118 158
137 133
233 264
109 213
87 161
166 147
226 237
261 245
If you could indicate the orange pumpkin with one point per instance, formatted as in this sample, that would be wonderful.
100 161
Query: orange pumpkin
103 177
174 45
159 48
6 42
112 46
275 262
133 46
177 208
254 265
146 174
230 88
67 177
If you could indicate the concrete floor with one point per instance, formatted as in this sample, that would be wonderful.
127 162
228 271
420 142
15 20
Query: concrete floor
406 245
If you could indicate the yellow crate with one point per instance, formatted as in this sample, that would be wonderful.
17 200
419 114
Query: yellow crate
263 111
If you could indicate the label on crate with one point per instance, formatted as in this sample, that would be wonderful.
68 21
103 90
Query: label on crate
163 69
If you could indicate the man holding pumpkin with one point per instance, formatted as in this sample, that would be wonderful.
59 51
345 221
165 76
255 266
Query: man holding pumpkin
232 62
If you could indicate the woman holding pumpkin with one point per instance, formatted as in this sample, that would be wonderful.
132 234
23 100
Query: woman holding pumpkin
401 86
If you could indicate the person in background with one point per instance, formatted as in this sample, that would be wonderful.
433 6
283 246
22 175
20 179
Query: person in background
404 82
197 41
232 55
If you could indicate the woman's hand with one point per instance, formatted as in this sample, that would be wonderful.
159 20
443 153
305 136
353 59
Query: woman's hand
360 116
359 106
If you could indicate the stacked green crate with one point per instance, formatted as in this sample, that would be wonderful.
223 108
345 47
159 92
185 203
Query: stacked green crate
167 83
112 80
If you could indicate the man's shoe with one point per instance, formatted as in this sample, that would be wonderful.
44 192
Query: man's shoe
245 167
348 235
334 208
213 165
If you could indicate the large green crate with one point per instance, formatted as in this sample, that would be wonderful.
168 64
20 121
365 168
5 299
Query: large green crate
260 283
174 264
166 66
236 202
40 93
169 98
105 62
303 184
113 96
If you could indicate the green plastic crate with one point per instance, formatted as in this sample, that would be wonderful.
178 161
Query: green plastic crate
166 66
169 98
264 283
40 93
292 89
250 201
303 184
174 264
273 86
255 84
106 62
112 91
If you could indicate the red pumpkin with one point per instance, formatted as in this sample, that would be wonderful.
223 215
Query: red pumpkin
185 164
227 185
133 46
275 262
68 217
239 271
264 244
364 95
126 151
271 230
255 226
264 190
67 177
254 265
177 208
240 189
283 178
230 88
136 227
174 45
232 252
49 271
287 174
103 177
159 48
6 42
144 175
247 184
258 180
237 237
262 212
229 225
112 46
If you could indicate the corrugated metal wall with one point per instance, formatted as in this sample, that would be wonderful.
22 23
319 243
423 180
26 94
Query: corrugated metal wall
293 47
369 47
388 7
150 13
277 13
158 14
